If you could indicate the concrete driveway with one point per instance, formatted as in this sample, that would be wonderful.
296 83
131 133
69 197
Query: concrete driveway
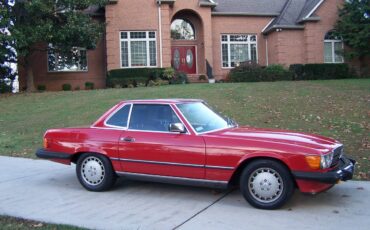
46 191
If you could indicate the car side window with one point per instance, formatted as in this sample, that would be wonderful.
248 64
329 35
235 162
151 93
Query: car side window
152 117
120 117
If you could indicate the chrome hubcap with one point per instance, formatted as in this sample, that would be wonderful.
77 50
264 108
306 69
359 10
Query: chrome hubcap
265 185
92 170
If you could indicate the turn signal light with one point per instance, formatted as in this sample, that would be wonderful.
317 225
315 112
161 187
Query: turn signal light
314 161
46 144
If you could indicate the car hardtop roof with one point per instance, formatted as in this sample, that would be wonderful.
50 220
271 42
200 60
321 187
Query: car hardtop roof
167 101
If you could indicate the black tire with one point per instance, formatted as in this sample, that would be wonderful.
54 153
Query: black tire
95 172
266 184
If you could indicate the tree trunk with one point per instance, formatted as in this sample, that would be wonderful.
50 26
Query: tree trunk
363 67
30 83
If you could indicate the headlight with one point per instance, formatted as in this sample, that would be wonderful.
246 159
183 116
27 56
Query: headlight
326 160
317 161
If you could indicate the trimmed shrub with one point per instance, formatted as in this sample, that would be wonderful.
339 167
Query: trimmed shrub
89 85
297 70
321 71
41 87
252 72
66 87
137 76
276 73
246 72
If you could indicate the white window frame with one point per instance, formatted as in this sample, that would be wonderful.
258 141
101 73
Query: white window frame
147 40
332 46
228 43
68 71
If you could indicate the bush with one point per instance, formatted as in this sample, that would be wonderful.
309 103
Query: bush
202 78
89 85
41 87
297 70
5 86
246 72
321 71
157 82
66 87
252 72
126 77
179 78
168 74
276 73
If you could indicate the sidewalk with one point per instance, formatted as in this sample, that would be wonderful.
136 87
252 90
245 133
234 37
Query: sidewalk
49 192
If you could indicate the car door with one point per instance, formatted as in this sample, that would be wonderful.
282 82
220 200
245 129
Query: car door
147 147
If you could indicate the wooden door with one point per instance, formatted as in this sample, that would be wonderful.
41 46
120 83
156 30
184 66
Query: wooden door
184 59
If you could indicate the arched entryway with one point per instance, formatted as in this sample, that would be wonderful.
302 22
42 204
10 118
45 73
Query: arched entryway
187 44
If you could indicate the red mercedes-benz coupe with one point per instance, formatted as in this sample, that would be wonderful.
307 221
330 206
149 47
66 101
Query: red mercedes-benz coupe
183 141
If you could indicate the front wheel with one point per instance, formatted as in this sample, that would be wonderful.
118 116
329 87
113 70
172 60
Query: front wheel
95 172
266 184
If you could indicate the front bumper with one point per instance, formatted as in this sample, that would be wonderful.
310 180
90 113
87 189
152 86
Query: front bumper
45 154
343 172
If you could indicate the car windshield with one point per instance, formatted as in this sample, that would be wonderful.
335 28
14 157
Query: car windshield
202 118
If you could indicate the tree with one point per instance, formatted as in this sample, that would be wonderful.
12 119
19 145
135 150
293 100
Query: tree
353 26
63 23
7 52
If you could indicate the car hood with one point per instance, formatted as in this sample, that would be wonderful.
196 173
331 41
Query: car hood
306 140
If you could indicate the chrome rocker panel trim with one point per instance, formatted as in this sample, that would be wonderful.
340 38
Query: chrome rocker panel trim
174 180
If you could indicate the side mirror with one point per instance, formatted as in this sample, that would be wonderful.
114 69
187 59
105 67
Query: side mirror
177 128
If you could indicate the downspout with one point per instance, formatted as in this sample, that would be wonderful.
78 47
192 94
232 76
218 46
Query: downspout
267 51
160 32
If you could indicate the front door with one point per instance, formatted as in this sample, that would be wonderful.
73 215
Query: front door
184 59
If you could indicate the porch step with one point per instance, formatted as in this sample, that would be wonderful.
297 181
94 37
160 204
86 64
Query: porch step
194 78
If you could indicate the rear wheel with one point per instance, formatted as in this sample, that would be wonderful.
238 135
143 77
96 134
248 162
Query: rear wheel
266 184
95 172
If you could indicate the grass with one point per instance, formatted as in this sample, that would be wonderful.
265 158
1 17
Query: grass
335 108
13 223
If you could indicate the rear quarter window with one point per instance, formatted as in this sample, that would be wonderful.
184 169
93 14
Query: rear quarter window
119 118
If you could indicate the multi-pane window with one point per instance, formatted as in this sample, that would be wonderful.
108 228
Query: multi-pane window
237 48
333 49
75 60
138 49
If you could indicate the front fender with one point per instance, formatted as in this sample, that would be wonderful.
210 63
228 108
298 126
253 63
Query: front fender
270 155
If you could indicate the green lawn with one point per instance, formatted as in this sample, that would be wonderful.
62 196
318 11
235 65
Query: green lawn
335 108
12 223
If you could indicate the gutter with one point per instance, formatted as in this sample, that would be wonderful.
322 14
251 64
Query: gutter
243 14
310 19
288 27
210 3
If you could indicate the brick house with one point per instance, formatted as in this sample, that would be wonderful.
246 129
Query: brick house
196 36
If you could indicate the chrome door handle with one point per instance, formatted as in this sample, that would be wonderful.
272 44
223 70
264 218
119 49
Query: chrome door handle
127 139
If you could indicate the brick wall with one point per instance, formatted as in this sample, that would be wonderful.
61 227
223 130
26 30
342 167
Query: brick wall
53 81
232 25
